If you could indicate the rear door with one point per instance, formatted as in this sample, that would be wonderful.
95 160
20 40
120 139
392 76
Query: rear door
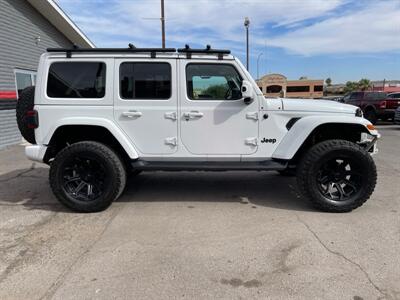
145 103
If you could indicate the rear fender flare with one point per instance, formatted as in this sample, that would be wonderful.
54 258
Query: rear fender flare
126 144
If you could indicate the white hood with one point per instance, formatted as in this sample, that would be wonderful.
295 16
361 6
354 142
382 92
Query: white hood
317 106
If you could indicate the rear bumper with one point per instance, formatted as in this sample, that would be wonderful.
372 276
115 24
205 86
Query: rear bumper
35 152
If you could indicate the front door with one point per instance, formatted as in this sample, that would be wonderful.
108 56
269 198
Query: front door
214 118
145 104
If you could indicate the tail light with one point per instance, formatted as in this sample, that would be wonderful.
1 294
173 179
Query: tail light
382 104
32 119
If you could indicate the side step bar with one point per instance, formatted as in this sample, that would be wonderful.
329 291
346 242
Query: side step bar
209 165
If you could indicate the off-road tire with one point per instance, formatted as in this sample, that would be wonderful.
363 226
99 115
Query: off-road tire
312 160
116 175
25 103
287 172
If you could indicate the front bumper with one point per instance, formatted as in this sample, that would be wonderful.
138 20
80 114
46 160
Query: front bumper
36 152
369 142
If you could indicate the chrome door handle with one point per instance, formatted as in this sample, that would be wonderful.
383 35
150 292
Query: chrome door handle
193 115
132 114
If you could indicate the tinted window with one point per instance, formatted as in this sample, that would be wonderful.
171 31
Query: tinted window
318 88
297 89
76 80
375 96
395 96
145 80
213 82
355 95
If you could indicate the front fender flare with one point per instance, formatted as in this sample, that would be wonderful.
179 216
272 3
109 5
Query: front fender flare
302 129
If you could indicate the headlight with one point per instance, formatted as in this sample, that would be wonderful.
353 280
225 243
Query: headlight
359 112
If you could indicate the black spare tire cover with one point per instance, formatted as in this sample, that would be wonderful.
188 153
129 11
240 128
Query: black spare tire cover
25 103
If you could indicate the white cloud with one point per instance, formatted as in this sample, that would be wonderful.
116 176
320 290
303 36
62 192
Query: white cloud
374 29
203 21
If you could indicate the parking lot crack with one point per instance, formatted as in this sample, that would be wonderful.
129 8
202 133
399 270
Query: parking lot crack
60 279
357 265
20 174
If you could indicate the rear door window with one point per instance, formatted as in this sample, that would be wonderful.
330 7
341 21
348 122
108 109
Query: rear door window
375 96
76 80
145 80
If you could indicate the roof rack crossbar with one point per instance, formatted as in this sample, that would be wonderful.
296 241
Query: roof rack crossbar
208 50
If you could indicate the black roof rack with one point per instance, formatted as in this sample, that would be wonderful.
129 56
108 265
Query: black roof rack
131 49
208 50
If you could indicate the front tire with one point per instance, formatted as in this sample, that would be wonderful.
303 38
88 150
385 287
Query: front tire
87 176
337 176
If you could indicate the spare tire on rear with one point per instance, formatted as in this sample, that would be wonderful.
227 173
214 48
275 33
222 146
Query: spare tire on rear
25 103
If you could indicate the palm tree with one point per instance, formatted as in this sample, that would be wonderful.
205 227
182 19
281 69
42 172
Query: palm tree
350 86
364 84
328 81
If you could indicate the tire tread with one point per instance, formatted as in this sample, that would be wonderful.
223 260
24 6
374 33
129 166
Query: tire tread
314 154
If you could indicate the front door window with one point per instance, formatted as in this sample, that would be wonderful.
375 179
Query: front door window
213 82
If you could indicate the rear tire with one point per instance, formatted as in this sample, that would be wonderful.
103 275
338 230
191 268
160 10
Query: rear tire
371 116
337 176
87 176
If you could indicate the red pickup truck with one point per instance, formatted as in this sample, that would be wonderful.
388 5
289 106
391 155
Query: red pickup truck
375 105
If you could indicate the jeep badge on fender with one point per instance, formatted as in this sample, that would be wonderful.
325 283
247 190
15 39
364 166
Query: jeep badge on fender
139 109
272 141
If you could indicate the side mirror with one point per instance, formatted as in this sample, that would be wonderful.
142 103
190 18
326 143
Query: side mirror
247 91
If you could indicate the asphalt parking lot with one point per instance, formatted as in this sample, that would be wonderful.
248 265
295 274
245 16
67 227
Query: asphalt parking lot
232 235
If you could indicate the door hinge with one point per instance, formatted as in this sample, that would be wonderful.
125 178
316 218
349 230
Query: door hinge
251 141
171 141
252 115
171 115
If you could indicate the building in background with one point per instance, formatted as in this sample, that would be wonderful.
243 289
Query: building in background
388 86
335 89
276 85
27 28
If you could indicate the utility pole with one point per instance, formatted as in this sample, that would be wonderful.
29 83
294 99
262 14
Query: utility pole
247 24
258 59
162 24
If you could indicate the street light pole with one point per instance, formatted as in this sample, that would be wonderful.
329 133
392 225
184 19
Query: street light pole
258 58
247 24
162 24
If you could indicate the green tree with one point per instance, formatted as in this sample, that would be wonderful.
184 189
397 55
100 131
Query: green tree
364 84
328 81
350 86
216 91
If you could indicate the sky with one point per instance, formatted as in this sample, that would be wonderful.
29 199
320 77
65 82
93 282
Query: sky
341 39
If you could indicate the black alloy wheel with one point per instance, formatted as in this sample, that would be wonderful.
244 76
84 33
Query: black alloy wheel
340 179
87 176
84 177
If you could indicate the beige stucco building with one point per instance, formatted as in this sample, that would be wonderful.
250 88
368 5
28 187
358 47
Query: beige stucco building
275 85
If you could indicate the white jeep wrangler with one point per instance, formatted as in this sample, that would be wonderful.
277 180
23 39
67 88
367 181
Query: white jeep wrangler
97 115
